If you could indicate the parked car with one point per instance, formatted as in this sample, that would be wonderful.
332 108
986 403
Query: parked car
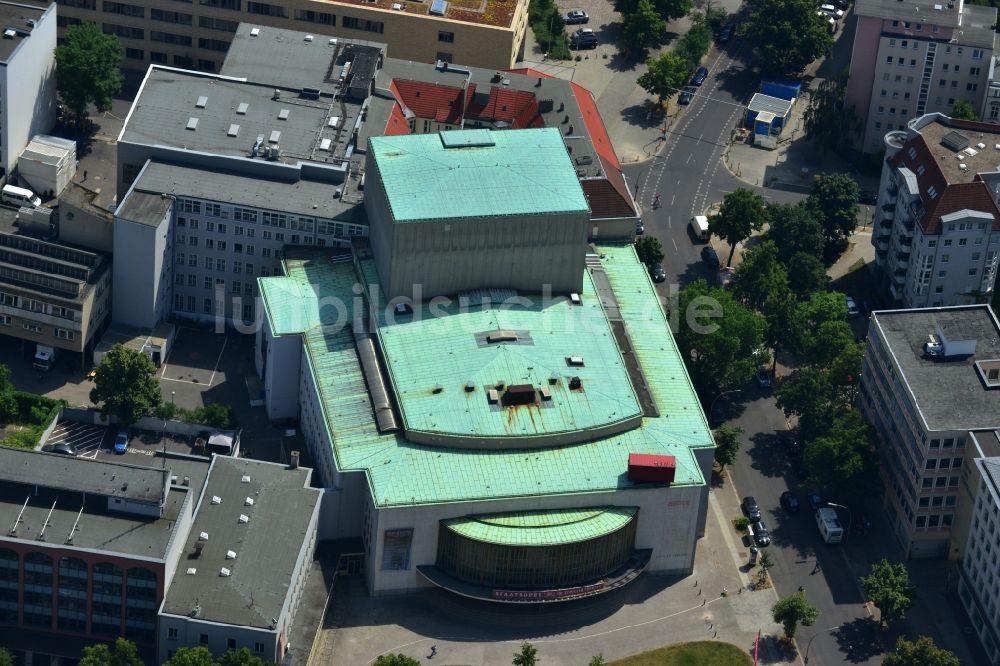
657 273
121 442
761 536
575 16
640 229
699 76
764 378
867 197
852 307
584 38
710 257
832 11
790 502
727 32
751 508
815 501
61 448
687 95
841 4
831 23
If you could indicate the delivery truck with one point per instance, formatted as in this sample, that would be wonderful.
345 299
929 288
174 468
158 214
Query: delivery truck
45 356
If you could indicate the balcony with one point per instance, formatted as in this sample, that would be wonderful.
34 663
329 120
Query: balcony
882 244
903 261
899 276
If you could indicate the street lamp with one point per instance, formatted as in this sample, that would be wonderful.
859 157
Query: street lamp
805 659
711 407
850 519
173 394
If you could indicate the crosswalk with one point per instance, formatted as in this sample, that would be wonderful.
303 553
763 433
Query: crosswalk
84 437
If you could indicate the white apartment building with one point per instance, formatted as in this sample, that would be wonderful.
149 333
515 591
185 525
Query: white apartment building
912 57
27 76
923 408
937 225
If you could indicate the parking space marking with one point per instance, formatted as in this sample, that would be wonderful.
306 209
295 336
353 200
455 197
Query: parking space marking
215 367
84 437
218 359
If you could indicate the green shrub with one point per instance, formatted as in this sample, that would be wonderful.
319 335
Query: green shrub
742 523
35 409
23 439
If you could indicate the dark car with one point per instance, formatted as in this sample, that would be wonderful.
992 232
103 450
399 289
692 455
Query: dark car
764 378
751 509
699 76
790 502
760 534
62 448
710 257
575 16
687 95
727 32
815 501
640 228
867 197
584 38
657 272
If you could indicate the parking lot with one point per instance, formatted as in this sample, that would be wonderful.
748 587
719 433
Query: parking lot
85 438
194 357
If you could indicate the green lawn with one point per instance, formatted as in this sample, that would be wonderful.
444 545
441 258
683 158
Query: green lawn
705 653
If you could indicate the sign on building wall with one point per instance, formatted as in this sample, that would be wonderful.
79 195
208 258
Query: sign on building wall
396 549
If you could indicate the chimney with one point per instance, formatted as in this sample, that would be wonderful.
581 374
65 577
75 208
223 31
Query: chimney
295 459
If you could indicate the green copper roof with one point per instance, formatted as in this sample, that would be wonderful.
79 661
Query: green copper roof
476 173
432 358
543 528
401 473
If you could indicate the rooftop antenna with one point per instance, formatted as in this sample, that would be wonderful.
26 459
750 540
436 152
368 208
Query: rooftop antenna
17 521
72 530
45 525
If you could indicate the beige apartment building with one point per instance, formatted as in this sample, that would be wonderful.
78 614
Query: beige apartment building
195 34
912 57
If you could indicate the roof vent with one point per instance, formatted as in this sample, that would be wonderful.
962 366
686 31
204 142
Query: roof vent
202 101
274 137
230 554
501 336
191 571
245 478
493 396
9 33
248 501
242 108
324 144
199 548
980 145
254 32
575 299
283 114
553 380
938 8
574 361
234 129
244 519
470 386
437 389
225 573
963 166
575 383
546 393
192 124
989 372
216 499
203 536
277 95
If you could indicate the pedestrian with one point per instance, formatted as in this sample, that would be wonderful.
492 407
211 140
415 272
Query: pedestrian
434 651
656 201
801 589
816 568
85 174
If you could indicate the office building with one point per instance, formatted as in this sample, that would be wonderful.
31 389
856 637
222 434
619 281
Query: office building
197 36
528 433
923 401
937 226
913 57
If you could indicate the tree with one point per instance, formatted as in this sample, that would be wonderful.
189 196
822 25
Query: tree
8 404
834 202
764 563
963 111
742 213
760 277
819 327
243 657
668 9
665 75
889 588
87 68
806 275
787 35
596 660
123 654
191 656
727 444
649 249
641 29
395 660
843 374
794 229
717 337
792 611
807 393
528 656
922 652
697 41
828 124
844 463
125 385
6 659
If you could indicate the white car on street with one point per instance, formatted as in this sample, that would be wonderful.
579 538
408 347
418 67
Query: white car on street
832 11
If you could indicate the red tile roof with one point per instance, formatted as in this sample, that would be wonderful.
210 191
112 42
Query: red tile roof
608 197
397 123
429 100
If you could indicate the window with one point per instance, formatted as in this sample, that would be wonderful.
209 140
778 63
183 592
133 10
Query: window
971 87
884 92
4 320
950 442
946 520
940 481
193 260
952 481
221 245
942 274
123 31
208 263
236 287
950 500
234 5
895 24
977 54
208 283
931 463
220 265
892 43
237 266
170 17
135 54
179 279
323 18
192 280
209 243
206 65
203 639
947 242
265 9
973 271
258 648
123 9
221 25
249 269
209 226
945 258
172 633
956 463
932 242
934 521
945 462
207 309
973 71
158 58
170 38
939 290
213 44
265 252
926 483
191 303
445 36
921 521
923 502
935 443
363 24
937 501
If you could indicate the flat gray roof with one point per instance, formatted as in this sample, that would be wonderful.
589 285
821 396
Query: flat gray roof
302 197
16 16
761 102
51 470
276 54
144 208
168 111
976 22
948 392
266 546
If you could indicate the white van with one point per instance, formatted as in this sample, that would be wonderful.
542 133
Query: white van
699 225
18 196
829 525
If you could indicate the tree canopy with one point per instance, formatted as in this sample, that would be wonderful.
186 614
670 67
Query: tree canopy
727 444
125 385
963 110
87 68
649 249
528 656
641 29
760 277
668 9
8 405
717 337
828 124
6 659
844 463
888 587
191 656
833 200
665 75
807 394
806 275
241 657
922 652
742 213
792 611
794 229
787 35
124 653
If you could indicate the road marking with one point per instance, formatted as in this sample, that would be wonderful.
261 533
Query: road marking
673 199
675 246
690 155
219 359
700 137
669 226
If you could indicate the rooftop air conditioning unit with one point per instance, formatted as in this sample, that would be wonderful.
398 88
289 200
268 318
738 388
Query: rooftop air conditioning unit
224 572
